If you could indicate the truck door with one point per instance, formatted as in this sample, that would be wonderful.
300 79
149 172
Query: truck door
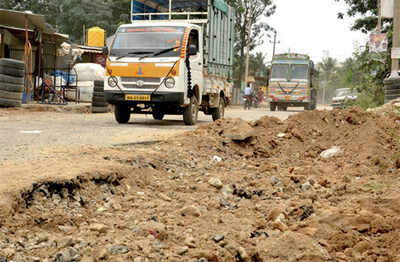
196 61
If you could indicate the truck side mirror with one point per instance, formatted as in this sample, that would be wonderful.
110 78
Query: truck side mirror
105 50
192 50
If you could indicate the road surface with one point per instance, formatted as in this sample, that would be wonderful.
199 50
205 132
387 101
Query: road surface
24 136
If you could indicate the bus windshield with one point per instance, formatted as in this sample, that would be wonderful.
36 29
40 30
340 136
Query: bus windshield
298 72
280 71
148 41
289 71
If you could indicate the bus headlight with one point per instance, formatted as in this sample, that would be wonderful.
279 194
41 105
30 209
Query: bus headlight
169 82
112 81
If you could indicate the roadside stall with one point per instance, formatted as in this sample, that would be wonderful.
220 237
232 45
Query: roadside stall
27 37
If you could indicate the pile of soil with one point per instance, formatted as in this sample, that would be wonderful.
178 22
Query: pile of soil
82 108
320 186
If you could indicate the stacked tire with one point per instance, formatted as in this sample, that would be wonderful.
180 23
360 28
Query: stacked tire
99 104
12 77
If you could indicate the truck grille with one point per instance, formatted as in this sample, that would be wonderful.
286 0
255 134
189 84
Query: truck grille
145 86
153 80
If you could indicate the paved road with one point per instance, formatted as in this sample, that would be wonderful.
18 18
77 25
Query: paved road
24 136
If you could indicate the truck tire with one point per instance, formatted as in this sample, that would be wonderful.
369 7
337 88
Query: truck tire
98 86
12 63
11 79
10 102
314 105
99 99
272 107
219 112
122 114
157 113
11 87
282 107
12 71
11 95
191 112
98 94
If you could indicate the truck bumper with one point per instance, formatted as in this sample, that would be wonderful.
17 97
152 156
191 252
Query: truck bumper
117 97
290 103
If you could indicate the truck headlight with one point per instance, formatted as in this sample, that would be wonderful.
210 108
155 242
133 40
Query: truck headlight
169 82
112 81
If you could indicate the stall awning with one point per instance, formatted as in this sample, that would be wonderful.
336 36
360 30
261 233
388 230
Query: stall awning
48 38
17 19
89 49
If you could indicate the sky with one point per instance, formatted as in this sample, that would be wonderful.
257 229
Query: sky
312 27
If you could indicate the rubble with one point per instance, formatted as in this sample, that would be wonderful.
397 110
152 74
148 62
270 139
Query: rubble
279 200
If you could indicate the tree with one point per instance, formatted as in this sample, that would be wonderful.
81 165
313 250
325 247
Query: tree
366 10
257 65
69 16
371 68
76 13
327 73
248 15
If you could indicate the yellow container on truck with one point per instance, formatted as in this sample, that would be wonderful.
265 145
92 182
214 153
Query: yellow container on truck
177 67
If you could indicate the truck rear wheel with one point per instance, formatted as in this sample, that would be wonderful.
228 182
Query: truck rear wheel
122 114
308 107
191 112
282 107
219 112
272 106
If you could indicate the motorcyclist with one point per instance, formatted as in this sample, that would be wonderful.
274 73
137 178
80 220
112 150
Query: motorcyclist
248 95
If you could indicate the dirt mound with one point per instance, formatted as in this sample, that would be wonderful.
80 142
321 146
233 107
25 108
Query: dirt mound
392 107
320 186
37 108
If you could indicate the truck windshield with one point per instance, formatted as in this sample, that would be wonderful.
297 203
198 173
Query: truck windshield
298 71
280 71
148 41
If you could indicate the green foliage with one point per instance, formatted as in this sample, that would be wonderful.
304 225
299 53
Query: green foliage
369 69
373 68
249 14
366 13
69 16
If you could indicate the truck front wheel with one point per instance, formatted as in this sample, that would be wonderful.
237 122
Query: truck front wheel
219 112
122 114
191 112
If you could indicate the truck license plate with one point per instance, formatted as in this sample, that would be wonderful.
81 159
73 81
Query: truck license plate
137 97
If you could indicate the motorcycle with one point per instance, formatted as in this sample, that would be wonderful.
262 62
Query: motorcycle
248 101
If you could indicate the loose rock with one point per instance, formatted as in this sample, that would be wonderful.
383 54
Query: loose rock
118 250
331 152
190 211
215 182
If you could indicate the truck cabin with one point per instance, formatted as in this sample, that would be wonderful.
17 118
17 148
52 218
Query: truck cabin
148 41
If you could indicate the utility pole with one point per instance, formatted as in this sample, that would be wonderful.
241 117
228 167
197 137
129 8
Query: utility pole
326 54
396 39
379 27
246 74
274 43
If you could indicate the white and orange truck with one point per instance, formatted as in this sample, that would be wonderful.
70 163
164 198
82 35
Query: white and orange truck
175 58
